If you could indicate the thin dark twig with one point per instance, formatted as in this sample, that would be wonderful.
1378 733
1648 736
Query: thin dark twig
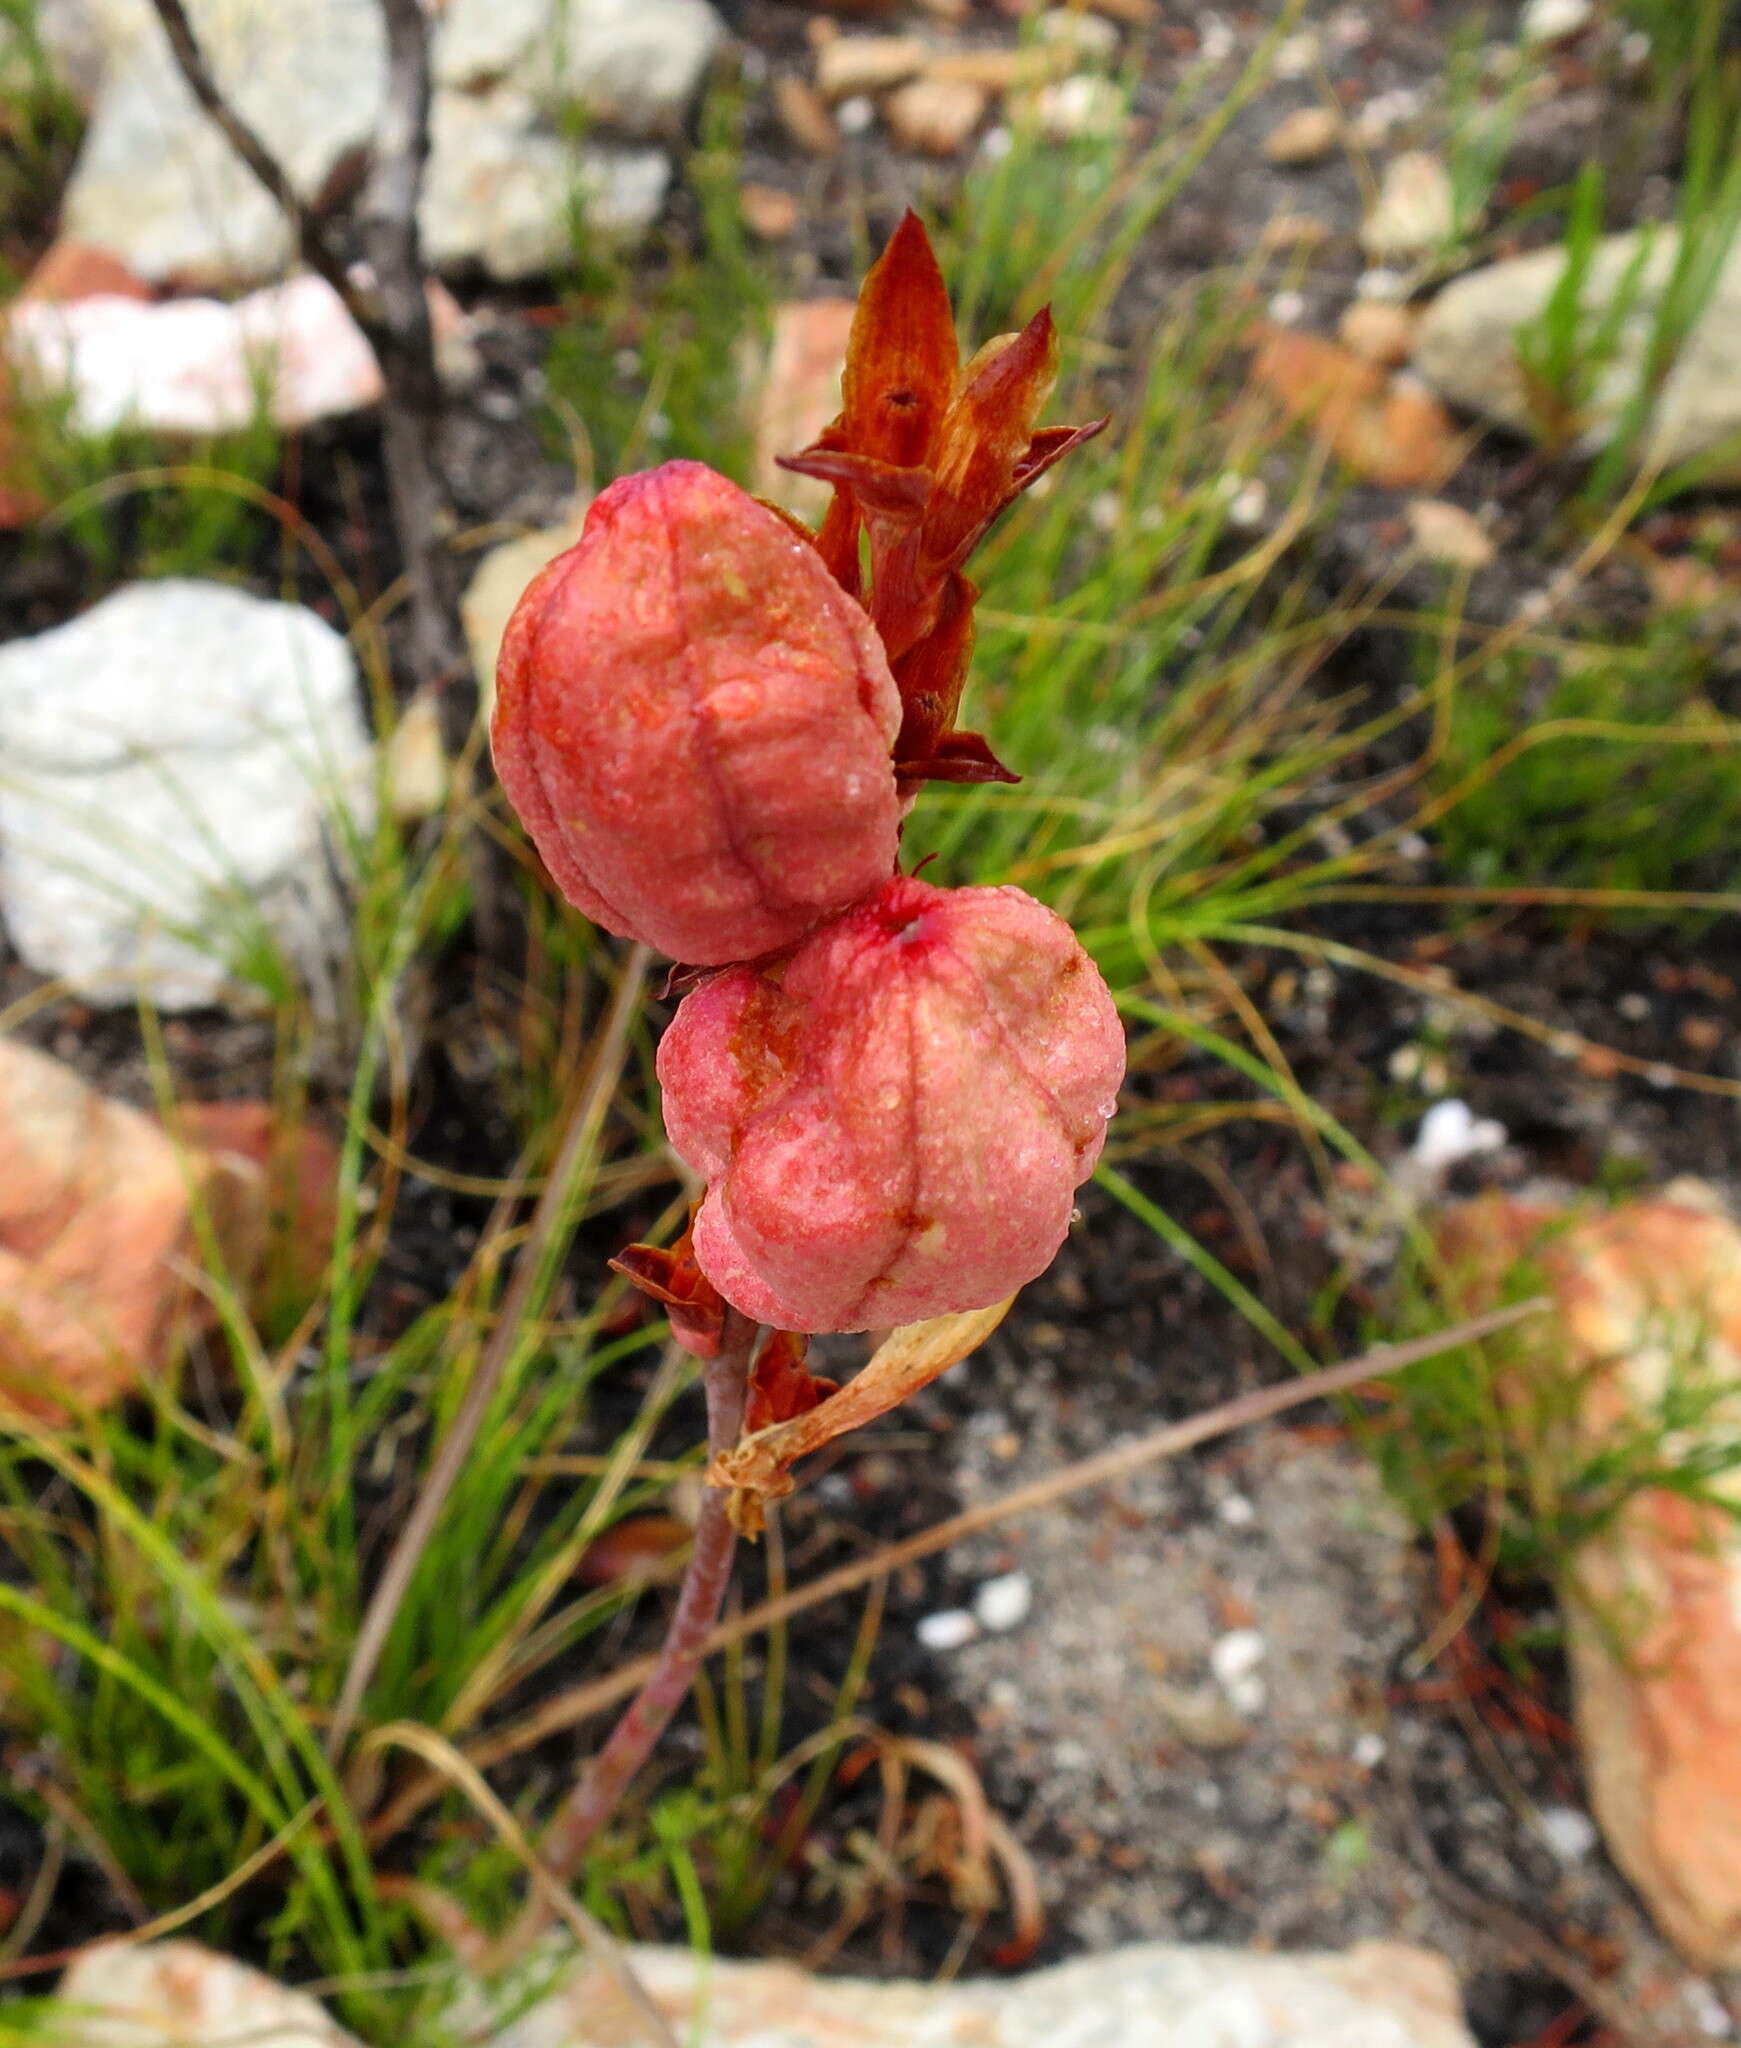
412 406
317 247
392 308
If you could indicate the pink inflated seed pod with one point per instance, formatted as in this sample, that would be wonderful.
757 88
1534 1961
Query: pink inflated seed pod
694 723
893 1118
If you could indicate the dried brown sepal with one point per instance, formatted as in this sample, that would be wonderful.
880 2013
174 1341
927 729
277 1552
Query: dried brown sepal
781 1385
758 1468
960 757
679 980
923 458
671 1276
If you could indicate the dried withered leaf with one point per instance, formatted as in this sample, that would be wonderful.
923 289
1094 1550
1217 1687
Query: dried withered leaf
758 1468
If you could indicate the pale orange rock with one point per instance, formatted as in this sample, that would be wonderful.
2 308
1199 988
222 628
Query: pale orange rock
1290 233
95 1219
71 269
1649 1299
1388 430
935 115
152 1994
1379 333
100 1210
802 111
1002 70
770 214
1139 13
1446 533
1308 135
1377 1995
800 394
853 64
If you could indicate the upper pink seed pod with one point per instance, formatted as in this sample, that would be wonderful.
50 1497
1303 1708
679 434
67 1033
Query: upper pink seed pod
694 723
893 1118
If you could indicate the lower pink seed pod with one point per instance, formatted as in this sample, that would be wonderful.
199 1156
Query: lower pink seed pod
893 1118
694 722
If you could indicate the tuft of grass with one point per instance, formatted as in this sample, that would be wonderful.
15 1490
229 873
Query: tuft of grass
1504 1425
40 126
1482 115
127 512
1595 766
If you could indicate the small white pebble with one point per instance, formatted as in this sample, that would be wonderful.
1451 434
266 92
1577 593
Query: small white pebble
1288 309
1237 1654
1634 1006
949 1629
1071 1756
1451 1132
1297 56
1105 510
1248 508
1081 108
1237 1512
1404 1065
855 116
1710 2015
1369 1750
1090 37
996 143
1349 28
1634 51
1570 1832
1249 1695
627 362
1215 39
1385 112
1554 21
1208 1795
1005 1602
1385 286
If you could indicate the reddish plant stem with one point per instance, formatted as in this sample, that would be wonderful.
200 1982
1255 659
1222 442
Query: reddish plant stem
630 1743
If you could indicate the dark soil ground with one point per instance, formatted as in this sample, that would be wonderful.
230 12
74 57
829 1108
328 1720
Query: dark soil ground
1341 1789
